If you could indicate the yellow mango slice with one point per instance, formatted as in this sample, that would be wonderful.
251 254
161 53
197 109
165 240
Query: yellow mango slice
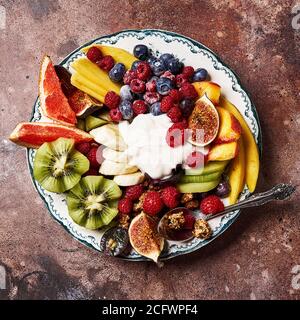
86 89
236 174
119 55
251 149
93 73
92 85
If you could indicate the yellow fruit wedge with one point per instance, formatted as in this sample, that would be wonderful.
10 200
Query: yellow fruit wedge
119 55
236 174
251 150
87 90
94 74
211 89
92 85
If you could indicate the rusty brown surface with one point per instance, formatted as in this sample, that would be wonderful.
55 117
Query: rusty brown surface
258 257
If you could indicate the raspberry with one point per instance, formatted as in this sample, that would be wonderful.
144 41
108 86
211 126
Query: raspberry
137 86
94 54
187 90
180 80
92 172
83 147
170 197
151 97
174 114
196 159
92 156
176 135
139 107
115 115
125 206
129 76
189 221
112 100
143 71
166 103
169 75
106 63
188 71
151 85
175 95
134 192
152 203
211 205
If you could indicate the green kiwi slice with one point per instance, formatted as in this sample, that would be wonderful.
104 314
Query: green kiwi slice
92 203
58 166
204 178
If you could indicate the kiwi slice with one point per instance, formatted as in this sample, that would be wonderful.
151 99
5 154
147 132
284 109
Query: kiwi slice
204 178
58 166
92 203
210 167
92 122
197 186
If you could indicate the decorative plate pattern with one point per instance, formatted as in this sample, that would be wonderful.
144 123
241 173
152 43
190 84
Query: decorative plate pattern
192 53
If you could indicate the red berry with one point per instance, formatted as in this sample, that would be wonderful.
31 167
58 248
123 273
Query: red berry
151 85
196 159
137 86
170 197
143 71
151 97
129 76
188 71
125 206
187 90
176 135
115 115
175 95
175 114
166 103
152 203
211 205
83 147
180 80
92 156
168 74
134 192
189 221
94 54
139 107
112 100
91 172
106 63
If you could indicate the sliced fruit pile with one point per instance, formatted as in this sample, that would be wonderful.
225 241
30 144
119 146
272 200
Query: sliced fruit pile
81 152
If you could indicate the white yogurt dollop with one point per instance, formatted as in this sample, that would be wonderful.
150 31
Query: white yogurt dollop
147 146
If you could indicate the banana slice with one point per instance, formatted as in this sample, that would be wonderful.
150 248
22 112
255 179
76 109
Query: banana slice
109 136
131 179
113 155
112 168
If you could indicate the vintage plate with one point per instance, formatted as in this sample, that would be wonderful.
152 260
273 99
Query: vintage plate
192 53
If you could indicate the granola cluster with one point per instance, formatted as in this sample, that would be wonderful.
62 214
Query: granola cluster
202 230
176 220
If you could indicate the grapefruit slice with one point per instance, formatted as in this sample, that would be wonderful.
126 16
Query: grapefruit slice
54 103
34 134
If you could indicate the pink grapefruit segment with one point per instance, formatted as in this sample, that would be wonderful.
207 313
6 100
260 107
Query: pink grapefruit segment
54 103
34 134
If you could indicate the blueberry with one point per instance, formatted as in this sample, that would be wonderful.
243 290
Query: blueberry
141 52
155 109
174 65
200 75
117 72
165 57
126 109
223 189
186 106
158 67
135 64
164 85
151 61
125 93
